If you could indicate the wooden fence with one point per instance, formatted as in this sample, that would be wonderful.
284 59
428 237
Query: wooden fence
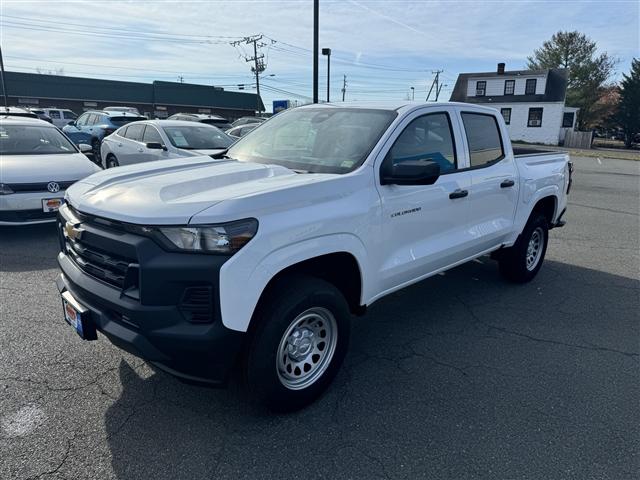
578 139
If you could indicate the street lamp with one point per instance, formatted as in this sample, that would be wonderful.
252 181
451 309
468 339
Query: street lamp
413 93
327 52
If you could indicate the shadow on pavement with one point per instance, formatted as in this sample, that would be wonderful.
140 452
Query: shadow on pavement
40 241
459 376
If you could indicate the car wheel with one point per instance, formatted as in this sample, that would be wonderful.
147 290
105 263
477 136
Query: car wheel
522 262
95 146
299 341
112 161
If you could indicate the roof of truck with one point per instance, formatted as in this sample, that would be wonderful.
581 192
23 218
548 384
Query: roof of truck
396 105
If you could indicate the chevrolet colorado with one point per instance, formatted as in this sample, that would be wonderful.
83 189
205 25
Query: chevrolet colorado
258 256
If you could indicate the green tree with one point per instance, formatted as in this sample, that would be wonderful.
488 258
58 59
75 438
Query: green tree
588 70
627 115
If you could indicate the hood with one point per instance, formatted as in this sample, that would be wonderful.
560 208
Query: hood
45 168
171 192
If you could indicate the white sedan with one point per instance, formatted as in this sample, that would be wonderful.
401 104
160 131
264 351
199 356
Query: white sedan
149 140
37 164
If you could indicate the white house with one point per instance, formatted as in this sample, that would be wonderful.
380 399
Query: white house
531 101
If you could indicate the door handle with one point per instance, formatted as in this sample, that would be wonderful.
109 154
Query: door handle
507 183
458 194
119 144
140 150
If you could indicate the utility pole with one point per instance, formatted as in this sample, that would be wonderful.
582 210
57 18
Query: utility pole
435 83
316 14
181 79
4 84
413 93
344 86
257 59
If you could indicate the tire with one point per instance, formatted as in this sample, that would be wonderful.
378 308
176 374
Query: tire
298 343
112 162
95 146
522 262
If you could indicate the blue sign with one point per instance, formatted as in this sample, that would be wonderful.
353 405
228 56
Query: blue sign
280 105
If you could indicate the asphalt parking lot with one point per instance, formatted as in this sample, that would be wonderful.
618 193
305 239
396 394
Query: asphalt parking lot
460 376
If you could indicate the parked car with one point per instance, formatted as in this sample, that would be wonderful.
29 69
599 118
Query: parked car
60 116
133 110
17 112
246 120
220 122
41 114
160 140
241 130
258 257
92 126
37 164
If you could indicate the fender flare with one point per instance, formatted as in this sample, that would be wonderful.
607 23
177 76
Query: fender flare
238 304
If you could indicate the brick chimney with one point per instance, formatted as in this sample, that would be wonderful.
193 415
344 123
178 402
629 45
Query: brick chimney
501 69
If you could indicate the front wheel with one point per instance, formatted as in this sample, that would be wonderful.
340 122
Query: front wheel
523 261
112 161
299 343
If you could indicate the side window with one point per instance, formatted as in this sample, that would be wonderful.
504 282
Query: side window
483 137
55 114
506 114
122 132
134 132
99 119
530 86
82 121
151 135
91 119
69 115
428 137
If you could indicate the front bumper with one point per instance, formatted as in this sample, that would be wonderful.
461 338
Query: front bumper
152 322
26 208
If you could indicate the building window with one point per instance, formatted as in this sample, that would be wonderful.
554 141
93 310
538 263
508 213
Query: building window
481 89
506 114
530 88
509 87
535 117
567 120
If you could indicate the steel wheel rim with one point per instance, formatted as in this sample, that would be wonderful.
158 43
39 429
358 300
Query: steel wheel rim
306 348
534 248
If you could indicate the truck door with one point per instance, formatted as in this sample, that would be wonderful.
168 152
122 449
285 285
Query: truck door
424 227
494 180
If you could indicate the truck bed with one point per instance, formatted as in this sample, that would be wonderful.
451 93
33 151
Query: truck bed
520 151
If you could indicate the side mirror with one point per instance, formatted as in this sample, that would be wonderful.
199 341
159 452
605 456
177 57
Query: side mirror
410 172
85 148
72 123
155 146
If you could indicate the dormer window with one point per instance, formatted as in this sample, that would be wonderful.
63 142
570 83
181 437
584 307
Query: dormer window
509 87
530 87
481 89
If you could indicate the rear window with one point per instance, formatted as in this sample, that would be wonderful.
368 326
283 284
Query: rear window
483 137
119 121
134 132
33 140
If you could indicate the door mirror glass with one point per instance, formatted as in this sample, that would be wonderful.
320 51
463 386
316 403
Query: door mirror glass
85 148
410 172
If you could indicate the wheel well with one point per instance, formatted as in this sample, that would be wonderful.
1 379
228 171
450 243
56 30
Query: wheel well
340 269
546 206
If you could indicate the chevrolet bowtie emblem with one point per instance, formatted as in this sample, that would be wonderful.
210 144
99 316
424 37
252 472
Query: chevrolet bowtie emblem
72 232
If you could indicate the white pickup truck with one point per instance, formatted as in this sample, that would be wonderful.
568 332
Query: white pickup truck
259 256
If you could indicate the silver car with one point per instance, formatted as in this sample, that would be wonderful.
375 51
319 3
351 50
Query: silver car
151 140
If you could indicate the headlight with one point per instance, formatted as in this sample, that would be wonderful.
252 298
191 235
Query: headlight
5 189
224 238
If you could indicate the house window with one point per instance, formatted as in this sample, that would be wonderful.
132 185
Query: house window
481 89
506 114
535 117
530 88
567 120
509 87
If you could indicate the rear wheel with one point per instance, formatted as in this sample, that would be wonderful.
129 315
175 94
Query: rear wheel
522 262
95 147
112 161
299 343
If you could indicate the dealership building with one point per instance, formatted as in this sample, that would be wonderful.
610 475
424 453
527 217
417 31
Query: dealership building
155 100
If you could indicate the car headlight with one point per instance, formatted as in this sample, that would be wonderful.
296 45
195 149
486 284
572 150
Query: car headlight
225 238
5 189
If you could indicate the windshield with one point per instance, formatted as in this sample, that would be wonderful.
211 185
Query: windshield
33 140
315 140
197 137
120 121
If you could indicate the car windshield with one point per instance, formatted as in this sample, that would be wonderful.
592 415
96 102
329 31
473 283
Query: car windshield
120 121
315 140
33 140
197 137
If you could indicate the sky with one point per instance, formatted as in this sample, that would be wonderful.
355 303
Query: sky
384 47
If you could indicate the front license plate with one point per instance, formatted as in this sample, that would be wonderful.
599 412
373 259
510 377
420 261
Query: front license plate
78 317
51 204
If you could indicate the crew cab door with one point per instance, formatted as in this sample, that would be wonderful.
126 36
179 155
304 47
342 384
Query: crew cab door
424 227
494 179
